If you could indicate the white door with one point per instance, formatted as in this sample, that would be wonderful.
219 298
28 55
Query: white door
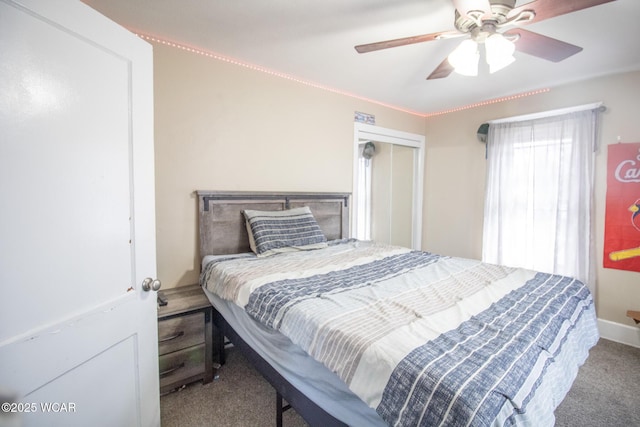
78 335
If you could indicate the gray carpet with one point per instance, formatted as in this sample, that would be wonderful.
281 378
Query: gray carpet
238 397
605 393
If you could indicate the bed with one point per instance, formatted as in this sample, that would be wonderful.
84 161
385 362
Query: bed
360 333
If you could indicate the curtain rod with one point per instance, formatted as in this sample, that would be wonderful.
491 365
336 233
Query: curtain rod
533 116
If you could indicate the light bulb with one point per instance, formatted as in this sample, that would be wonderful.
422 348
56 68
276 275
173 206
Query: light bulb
464 59
499 52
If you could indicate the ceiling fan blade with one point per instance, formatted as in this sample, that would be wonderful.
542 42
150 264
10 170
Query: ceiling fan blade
364 48
466 6
443 70
542 46
545 9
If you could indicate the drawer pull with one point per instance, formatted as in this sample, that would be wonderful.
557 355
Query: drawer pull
172 337
170 371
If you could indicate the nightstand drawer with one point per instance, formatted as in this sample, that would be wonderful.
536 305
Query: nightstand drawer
180 332
180 366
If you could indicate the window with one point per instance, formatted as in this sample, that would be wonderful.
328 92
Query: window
538 207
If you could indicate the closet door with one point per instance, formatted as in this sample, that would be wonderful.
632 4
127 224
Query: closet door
402 195
388 186
78 334
392 175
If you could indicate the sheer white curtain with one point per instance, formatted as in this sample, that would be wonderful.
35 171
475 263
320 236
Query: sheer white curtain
538 207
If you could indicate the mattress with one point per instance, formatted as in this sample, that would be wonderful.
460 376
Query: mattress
301 370
409 337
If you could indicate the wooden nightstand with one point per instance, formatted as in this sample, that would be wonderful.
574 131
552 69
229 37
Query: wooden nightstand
185 338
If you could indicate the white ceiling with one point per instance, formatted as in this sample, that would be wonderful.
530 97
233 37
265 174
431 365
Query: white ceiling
314 40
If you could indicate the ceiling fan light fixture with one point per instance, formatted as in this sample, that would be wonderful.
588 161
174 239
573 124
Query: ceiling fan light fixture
499 52
464 59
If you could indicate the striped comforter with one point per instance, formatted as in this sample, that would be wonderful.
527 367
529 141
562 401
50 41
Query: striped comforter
424 339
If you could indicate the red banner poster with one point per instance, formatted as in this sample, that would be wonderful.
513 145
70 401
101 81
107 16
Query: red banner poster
622 218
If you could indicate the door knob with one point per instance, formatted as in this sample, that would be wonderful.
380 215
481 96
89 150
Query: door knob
150 284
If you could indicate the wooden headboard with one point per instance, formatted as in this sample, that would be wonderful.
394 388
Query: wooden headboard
222 228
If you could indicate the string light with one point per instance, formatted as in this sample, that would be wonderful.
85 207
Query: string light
273 73
253 67
487 102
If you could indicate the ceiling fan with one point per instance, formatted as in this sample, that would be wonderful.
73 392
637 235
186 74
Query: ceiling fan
479 20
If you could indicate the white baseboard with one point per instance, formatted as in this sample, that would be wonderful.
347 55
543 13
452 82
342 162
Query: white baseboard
618 332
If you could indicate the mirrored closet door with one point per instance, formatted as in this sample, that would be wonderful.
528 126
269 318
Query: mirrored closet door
388 186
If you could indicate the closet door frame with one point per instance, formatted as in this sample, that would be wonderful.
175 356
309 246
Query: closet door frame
366 132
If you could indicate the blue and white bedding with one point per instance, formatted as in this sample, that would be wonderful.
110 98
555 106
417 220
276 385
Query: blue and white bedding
421 338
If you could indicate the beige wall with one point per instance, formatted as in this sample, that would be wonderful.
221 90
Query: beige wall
220 126
455 176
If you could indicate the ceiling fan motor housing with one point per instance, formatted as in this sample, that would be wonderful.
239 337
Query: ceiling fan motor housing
474 19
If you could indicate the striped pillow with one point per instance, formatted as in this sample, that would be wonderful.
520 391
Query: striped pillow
271 232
